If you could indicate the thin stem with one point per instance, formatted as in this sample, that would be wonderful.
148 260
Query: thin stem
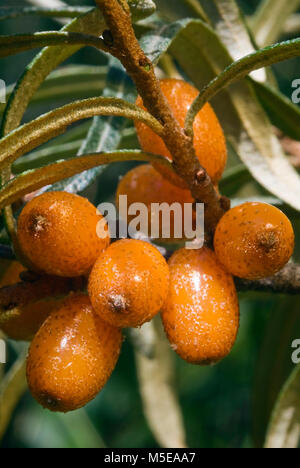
269 20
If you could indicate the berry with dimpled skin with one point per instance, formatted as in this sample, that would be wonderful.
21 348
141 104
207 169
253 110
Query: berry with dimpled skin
72 356
144 184
254 240
24 326
57 232
209 140
129 283
201 314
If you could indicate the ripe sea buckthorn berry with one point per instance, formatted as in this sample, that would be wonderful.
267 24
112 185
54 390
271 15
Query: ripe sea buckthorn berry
254 240
209 140
57 231
129 283
24 326
144 184
201 314
72 356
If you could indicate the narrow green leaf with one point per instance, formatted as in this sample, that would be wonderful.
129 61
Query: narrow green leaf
75 133
284 430
240 69
43 64
51 57
33 134
157 41
184 9
36 179
281 111
233 179
257 199
65 83
105 133
14 44
226 18
156 374
292 25
141 9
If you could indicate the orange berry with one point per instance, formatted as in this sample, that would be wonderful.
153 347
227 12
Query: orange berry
144 184
24 326
57 231
72 356
254 240
201 315
129 283
209 140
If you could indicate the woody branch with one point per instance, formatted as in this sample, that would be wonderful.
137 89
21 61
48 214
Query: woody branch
33 288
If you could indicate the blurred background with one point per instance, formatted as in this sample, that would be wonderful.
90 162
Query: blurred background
228 405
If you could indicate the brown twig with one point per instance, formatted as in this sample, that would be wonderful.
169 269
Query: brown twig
124 45
287 281
35 288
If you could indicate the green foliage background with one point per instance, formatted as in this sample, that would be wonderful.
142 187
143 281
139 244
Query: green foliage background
224 406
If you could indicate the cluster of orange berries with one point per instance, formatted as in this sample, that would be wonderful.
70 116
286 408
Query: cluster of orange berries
75 349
